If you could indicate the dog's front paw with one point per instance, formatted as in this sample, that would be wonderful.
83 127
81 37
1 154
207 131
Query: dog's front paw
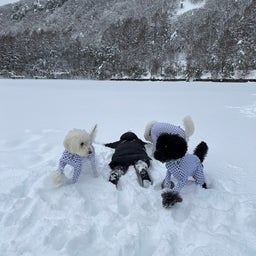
58 178
204 186
170 198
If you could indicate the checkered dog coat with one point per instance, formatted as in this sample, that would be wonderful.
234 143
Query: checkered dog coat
78 163
182 168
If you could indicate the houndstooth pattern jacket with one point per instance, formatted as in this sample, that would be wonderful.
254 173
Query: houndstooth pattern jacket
181 169
78 163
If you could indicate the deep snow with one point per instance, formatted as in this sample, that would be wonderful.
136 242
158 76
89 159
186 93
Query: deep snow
4 2
186 6
92 217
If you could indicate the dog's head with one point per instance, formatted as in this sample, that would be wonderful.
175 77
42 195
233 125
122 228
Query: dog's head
170 147
79 141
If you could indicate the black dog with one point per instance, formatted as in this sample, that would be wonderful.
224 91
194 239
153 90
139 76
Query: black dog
171 149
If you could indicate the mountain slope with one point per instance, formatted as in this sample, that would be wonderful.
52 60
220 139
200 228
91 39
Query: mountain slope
121 38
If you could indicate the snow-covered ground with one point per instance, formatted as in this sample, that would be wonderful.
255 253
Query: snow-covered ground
4 2
92 217
186 6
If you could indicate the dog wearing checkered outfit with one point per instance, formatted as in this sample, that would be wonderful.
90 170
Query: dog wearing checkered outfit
170 147
79 153
154 129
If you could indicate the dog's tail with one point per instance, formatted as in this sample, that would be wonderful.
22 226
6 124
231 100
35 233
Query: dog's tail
201 150
189 126
93 133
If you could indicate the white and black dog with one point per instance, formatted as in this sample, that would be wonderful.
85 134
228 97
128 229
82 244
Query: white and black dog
78 153
170 147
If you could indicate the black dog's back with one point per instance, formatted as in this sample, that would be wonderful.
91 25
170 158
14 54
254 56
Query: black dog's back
201 151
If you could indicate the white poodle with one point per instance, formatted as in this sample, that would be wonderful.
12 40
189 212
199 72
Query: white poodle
154 129
78 153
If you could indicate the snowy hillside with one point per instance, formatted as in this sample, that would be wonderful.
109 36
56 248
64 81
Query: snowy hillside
3 2
165 40
187 5
92 217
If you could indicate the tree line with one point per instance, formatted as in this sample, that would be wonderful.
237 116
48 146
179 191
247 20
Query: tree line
202 42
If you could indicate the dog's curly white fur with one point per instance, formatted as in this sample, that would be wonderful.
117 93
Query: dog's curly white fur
189 127
188 124
79 141
147 133
58 178
78 148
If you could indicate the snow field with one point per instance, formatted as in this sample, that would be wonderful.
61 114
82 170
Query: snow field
92 217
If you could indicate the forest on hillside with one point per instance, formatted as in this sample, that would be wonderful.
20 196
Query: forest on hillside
128 39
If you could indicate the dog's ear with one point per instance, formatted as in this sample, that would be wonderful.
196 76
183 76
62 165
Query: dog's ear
93 133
